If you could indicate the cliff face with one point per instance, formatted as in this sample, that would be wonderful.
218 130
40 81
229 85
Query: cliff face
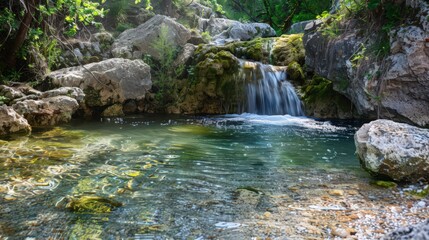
394 85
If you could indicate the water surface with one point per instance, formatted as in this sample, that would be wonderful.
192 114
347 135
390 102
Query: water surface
177 177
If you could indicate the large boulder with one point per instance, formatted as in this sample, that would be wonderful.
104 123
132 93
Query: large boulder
47 111
106 83
396 87
11 122
136 42
225 30
395 150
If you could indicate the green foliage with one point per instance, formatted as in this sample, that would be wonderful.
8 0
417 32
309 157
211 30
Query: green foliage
3 100
164 72
332 26
280 14
206 36
49 49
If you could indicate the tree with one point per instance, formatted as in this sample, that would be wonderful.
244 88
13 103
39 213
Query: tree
38 17
280 14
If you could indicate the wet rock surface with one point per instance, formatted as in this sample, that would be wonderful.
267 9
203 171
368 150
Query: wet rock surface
395 150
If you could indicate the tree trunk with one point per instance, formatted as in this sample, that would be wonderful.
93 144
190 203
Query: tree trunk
12 47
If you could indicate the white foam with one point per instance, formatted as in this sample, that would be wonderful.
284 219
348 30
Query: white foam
282 120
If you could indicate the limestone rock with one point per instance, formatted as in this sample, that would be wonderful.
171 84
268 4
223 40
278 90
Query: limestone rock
82 52
185 56
395 150
136 42
11 122
113 81
47 111
72 92
401 91
10 93
201 10
226 30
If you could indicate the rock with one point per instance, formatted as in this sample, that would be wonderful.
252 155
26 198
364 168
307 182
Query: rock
340 232
415 232
299 27
401 91
133 43
336 192
395 150
113 111
103 37
215 89
287 49
47 111
81 52
10 93
11 122
185 56
321 101
226 30
106 83
72 92
201 10
295 72
406 92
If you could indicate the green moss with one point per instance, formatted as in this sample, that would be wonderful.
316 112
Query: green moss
322 101
257 49
318 88
287 49
295 72
419 194
385 184
92 204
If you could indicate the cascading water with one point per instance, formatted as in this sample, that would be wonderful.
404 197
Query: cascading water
267 90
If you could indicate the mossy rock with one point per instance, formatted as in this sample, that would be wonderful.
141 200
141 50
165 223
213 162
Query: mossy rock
384 184
257 49
295 72
288 49
92 204
322 101
215 65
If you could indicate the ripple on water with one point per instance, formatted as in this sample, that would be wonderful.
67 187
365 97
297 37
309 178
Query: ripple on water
179 178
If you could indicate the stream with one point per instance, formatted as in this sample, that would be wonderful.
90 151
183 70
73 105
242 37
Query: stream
219 177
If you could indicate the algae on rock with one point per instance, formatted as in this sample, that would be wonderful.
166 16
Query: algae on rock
322 101
288 48
215 88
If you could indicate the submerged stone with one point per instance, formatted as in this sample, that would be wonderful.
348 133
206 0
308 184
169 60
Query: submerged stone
92 204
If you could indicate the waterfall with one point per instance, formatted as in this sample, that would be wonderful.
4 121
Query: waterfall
267 90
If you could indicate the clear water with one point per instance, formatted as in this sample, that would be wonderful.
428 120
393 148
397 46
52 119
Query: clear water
177 177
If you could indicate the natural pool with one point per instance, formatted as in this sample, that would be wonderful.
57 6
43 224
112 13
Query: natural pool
169 177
